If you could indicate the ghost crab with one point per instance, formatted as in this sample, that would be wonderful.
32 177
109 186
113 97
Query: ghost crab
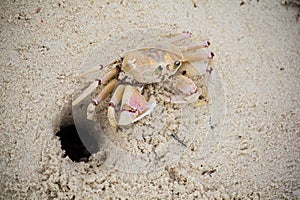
171 61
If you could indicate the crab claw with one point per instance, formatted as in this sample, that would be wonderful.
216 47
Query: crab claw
133 106
189 92
188 87
115 100
185 84
130 116
127 117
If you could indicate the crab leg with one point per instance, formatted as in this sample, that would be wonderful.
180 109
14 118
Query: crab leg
96 68
203 55
193 64
195 45
103 80
105 92
100 97
178 36
115 100
109 75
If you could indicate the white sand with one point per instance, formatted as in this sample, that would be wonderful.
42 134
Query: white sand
255 156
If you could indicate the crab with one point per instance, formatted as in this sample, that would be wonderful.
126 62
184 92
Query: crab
171 62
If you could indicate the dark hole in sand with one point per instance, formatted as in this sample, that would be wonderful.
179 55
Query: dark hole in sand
72 144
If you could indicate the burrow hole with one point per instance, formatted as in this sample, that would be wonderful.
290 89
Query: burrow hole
70 139
72 144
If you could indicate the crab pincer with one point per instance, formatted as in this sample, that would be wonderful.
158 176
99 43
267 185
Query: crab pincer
131 104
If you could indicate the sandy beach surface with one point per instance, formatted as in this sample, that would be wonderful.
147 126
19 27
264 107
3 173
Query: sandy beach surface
251 152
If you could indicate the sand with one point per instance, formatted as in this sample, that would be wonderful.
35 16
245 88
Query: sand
252 154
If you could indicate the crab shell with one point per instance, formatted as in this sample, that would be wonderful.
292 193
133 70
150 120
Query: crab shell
151 65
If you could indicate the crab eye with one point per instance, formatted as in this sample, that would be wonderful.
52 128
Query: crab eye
177 63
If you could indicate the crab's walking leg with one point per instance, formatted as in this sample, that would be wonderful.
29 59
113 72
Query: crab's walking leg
203 55
109 75
178 36
100 97
105 92
96 68
195 45
115 100
196 62
193 64
103 80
